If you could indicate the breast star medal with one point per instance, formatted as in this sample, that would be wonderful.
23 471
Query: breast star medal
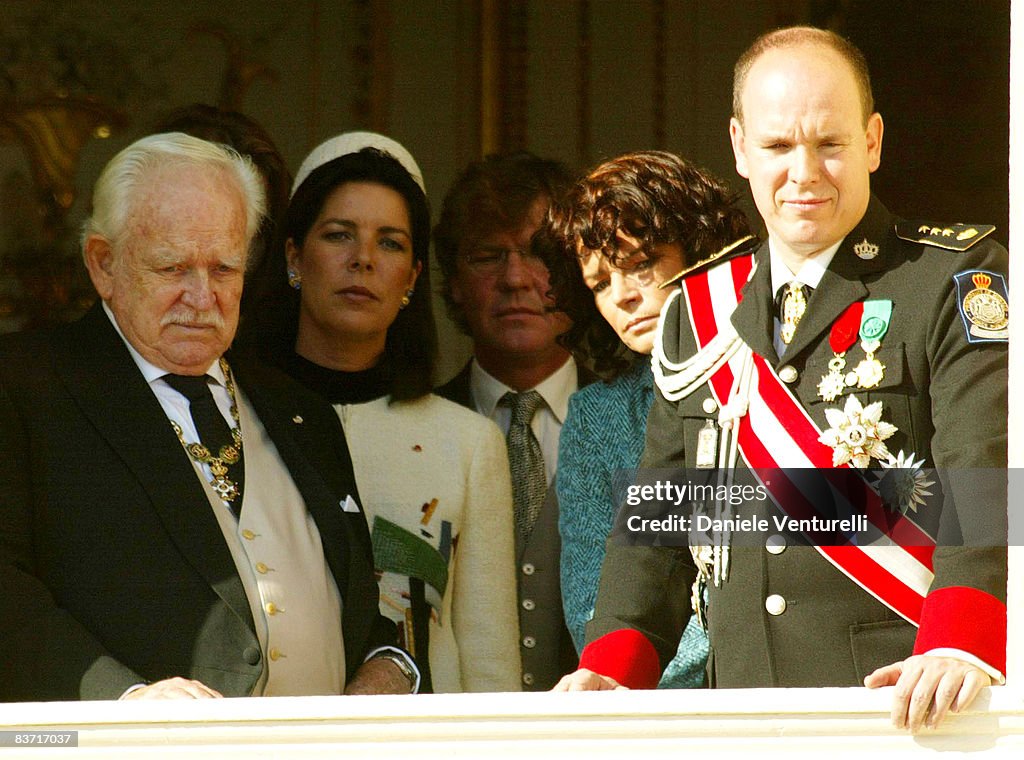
857 434
842 335
873 326
904 484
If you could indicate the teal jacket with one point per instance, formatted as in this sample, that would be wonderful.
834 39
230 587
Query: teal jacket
604 433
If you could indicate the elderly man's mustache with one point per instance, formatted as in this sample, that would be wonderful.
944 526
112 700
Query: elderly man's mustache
193 318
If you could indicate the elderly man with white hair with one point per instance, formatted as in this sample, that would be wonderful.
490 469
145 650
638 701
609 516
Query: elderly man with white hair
176 522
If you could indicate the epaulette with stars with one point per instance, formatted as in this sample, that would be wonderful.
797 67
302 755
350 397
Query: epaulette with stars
953 237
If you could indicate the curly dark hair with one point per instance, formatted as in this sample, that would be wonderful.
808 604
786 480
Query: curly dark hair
653 196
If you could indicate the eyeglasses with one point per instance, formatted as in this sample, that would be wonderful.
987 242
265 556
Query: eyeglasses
491 259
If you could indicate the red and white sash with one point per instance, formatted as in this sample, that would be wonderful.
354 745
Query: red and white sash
776 432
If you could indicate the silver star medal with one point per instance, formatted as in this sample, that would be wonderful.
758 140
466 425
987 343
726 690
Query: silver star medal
857 433
905 484
831 385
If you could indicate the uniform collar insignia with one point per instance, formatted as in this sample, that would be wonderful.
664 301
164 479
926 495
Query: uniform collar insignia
865 250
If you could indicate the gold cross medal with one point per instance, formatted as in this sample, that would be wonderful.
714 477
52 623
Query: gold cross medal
842 335
222 485
873 326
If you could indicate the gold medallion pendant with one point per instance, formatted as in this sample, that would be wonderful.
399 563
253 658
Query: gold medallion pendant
870 371
874 324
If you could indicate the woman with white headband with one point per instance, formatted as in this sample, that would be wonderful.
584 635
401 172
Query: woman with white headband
351 318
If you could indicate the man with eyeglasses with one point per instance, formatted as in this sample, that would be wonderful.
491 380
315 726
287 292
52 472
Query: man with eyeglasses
496 290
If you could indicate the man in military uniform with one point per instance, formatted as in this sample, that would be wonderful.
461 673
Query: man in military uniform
891 337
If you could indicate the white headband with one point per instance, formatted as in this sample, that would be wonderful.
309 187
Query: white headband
353 142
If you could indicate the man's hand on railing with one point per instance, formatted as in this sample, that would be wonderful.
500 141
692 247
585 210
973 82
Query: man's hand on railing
927 687
587 680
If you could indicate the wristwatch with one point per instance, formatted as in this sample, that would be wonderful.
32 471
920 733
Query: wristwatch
402 663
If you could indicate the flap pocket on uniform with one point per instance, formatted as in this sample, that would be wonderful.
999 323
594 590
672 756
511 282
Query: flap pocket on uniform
875 645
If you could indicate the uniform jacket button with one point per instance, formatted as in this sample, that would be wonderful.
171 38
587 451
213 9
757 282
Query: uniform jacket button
788 374
775 604
775 544
709 405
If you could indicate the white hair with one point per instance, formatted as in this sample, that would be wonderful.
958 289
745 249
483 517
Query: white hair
118 183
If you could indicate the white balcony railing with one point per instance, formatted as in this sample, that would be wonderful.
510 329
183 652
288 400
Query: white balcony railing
815 722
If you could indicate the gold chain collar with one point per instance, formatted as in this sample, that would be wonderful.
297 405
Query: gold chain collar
229 453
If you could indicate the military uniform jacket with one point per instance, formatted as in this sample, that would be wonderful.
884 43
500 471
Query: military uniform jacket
113 569
947 397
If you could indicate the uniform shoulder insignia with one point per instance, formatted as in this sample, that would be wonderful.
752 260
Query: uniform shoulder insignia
982 298
954 237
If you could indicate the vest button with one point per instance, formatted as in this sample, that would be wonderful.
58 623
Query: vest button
775 604
529 642
529 604
528 569
528 679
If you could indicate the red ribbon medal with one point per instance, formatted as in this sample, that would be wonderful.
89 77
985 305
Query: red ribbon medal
840 338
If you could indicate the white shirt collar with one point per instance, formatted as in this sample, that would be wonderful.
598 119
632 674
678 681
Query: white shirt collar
150 371
555 389
811 271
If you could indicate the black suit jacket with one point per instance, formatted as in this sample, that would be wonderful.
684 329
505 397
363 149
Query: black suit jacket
113 569
545 646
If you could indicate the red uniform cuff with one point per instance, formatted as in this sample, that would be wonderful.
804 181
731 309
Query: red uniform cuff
625 655
960 617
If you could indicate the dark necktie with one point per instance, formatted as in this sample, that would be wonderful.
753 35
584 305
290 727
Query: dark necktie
215 435
791 304
526 460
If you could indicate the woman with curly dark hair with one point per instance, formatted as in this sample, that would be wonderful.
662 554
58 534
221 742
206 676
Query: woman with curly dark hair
626 228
